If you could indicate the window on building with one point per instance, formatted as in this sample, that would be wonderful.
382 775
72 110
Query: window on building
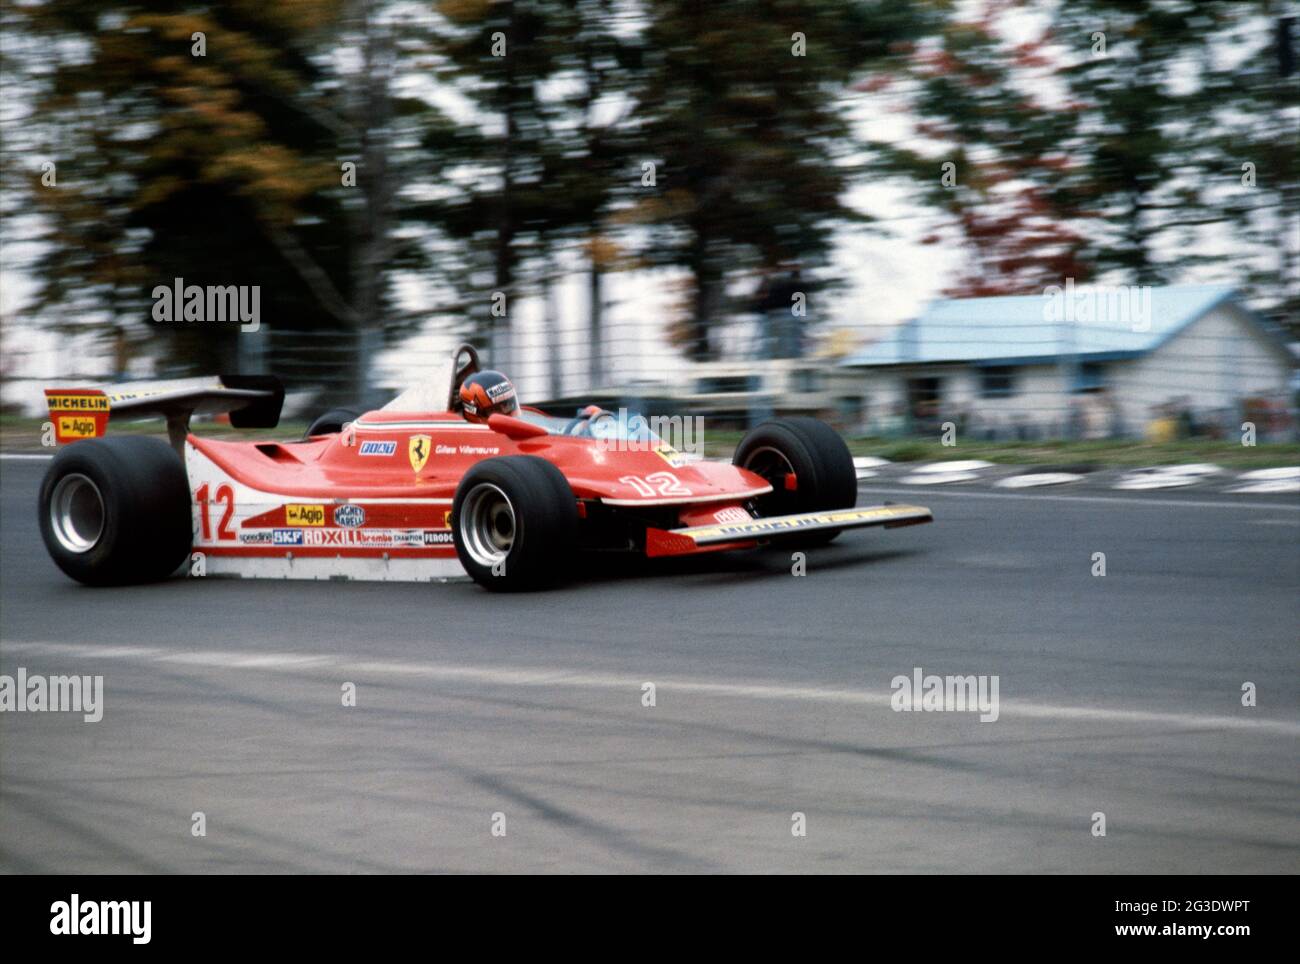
727 384
807 379
1091 377
997 382
925 403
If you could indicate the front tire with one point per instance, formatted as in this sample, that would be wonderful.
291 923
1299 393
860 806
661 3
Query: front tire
815 455
514 522
116 511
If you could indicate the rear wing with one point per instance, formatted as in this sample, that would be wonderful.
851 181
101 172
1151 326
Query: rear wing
253 401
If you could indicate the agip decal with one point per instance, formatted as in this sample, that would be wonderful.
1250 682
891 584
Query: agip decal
304 515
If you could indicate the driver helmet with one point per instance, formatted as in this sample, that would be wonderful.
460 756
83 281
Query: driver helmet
487 393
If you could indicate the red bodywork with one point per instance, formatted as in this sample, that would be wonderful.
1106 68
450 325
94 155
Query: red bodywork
374 498
402 470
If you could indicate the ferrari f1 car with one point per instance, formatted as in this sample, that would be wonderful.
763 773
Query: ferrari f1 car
418 490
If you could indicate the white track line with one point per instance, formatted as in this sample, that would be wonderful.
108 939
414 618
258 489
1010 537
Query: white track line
1111 499
24 457
523 677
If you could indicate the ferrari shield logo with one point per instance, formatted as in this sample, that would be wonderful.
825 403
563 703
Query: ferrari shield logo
418 449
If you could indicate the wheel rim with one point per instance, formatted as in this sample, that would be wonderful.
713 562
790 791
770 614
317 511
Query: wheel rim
76 513
773 465
487 524
770 463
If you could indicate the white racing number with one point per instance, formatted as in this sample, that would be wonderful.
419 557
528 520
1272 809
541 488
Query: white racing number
657 483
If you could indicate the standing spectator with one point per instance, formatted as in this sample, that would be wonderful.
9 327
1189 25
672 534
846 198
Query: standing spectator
775 301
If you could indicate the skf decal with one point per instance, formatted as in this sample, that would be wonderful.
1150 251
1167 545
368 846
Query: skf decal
418 448
304 515
385 447
350 516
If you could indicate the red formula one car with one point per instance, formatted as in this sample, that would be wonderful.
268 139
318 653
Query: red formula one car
446 480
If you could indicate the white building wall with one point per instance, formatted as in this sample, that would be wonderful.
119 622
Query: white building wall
1212 363
1038 400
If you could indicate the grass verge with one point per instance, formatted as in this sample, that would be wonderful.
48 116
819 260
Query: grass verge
21 434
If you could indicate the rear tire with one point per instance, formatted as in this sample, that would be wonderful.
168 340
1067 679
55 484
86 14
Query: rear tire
514 521
116 511
821 463
332 422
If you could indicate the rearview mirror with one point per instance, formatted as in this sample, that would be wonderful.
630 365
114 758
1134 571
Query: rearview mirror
515 428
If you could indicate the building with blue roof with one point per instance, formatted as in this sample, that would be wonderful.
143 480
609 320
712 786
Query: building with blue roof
1091 361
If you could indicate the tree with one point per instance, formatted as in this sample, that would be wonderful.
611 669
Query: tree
225 144
741 112
535 167
1186 139
1246 147
988 152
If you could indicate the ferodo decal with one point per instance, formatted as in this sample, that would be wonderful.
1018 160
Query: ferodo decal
350 516
418 448
304 515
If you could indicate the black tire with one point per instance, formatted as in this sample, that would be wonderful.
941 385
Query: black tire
539 511
116 511
820 461
332 422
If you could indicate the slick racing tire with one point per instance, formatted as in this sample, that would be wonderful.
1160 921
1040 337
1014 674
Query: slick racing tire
115 511
514 521
821 464
332 422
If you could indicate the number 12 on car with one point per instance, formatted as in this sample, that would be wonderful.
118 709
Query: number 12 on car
225 494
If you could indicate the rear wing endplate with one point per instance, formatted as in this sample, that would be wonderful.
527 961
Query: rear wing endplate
253 401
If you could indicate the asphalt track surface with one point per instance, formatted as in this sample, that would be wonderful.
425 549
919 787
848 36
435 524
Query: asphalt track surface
1118 694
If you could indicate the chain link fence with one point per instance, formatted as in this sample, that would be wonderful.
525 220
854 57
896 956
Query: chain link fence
1215 373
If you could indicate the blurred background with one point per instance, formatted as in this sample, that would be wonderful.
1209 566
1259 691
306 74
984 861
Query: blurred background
1073 220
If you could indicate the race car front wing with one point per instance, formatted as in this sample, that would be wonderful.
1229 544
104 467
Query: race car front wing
677 542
